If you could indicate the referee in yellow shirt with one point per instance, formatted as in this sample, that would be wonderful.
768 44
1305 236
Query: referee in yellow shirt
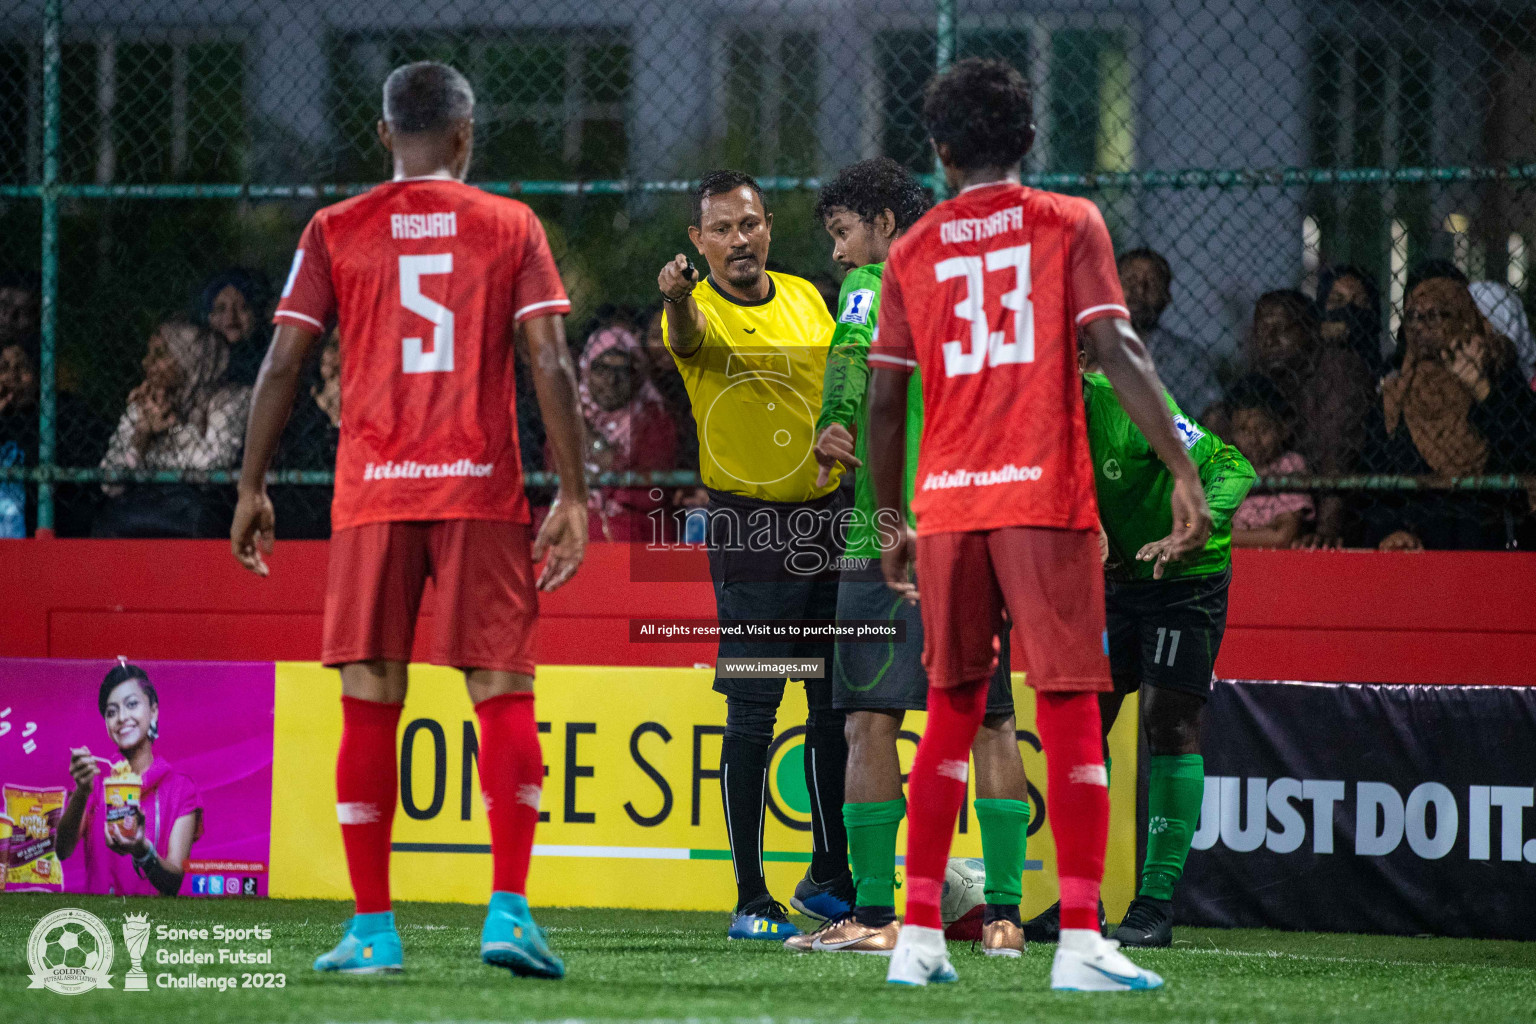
751 345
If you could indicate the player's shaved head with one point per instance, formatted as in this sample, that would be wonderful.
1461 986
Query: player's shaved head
981 111
427 97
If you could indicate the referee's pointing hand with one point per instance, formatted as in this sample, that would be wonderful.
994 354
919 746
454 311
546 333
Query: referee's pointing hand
676 279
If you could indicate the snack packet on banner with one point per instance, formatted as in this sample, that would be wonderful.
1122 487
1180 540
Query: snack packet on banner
33 861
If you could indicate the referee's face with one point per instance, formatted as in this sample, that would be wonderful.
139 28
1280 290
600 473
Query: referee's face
733 236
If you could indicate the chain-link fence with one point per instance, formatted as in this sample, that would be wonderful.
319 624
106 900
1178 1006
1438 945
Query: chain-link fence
1302 190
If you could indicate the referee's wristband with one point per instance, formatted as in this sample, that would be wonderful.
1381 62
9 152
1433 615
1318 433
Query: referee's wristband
680 298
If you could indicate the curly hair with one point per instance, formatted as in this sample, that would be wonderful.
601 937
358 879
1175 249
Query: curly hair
718 183
982 110
870 186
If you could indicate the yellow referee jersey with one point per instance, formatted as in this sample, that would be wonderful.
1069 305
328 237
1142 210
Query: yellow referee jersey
755 383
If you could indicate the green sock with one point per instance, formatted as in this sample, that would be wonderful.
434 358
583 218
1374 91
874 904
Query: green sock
872 829
1175 791
1004 838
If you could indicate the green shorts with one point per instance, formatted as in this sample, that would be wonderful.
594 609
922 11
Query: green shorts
889 676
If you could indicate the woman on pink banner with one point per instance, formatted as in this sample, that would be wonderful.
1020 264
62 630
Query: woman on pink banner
138 820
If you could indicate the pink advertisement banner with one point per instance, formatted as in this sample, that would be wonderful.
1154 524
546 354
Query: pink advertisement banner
136 778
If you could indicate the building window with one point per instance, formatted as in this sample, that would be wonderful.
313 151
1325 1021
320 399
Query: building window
142 107
1081 78
770 90
549 104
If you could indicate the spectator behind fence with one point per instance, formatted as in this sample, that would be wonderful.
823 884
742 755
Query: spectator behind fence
1187 370
1459 406
1420 272
630 431
1327 387
18 434
1262 429
1500 305
309 442
78 443
20 309
184 415
1351 315
233 305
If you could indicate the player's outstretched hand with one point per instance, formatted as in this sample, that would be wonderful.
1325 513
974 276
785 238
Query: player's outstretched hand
1191 527
896 563
253 531
677 278
833 446
563 537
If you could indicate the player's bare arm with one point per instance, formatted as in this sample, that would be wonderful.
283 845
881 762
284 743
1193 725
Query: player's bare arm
887 462
251 535
563 537
1112 344
685 321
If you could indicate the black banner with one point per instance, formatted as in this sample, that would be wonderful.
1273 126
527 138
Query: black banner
1361 808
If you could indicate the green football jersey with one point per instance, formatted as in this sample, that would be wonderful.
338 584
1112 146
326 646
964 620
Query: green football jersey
843 400
1134 486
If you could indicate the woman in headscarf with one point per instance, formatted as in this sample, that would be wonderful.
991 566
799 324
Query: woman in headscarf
630 431
1457 408
182 416
1350 309
233 305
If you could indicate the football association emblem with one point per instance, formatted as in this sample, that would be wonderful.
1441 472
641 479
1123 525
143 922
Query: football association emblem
70 952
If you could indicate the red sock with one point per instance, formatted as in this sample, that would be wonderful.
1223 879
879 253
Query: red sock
1077 792
935 791
366 787
511 779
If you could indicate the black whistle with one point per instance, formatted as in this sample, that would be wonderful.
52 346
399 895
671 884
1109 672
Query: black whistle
688 271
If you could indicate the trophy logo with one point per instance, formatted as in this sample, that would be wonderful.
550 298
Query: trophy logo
136 937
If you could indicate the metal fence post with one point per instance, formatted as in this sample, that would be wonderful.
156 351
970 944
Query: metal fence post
944 34
47 404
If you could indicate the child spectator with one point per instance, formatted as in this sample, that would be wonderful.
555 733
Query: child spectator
1261 431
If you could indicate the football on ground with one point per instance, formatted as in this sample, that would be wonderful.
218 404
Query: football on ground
960 902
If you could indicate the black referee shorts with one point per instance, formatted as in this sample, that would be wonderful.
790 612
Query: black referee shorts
772 560
1166 633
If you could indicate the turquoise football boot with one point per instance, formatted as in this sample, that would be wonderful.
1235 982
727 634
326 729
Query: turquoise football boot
370 946
510 939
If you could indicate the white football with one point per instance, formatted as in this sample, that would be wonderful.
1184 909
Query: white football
964 888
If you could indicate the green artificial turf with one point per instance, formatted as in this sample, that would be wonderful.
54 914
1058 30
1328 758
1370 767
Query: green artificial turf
654 966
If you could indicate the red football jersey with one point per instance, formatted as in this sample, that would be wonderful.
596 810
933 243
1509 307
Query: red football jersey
425 280
983 295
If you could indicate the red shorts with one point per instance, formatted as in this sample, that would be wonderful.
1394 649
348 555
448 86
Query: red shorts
486 600
1050 581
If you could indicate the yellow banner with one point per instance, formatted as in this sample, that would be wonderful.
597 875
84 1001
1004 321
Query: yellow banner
631 808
